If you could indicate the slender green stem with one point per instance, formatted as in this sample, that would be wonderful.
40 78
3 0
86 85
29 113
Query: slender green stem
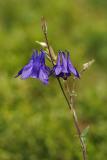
63 92
70 103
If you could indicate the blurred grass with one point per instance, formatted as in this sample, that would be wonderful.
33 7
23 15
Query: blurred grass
34 120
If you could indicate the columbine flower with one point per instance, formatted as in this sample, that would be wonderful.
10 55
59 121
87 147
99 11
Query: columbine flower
36 68
64 67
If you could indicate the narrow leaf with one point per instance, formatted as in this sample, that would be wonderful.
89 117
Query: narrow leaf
85 132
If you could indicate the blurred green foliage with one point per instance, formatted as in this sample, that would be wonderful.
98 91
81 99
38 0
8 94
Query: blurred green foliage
35 123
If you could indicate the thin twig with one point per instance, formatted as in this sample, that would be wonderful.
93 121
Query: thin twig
70 103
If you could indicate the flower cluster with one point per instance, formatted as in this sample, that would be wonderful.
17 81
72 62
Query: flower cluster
36 68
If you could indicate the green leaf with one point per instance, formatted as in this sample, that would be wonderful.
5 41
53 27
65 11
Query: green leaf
85 132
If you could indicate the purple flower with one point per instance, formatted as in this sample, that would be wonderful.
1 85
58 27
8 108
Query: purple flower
36 68
64 67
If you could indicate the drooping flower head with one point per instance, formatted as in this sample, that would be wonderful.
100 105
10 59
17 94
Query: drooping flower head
64 67
36 68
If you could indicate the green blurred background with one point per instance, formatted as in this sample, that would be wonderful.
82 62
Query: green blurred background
35 123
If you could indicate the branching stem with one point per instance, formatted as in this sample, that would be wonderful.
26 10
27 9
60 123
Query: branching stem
69 102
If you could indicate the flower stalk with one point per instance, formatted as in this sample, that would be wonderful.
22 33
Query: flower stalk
69 101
